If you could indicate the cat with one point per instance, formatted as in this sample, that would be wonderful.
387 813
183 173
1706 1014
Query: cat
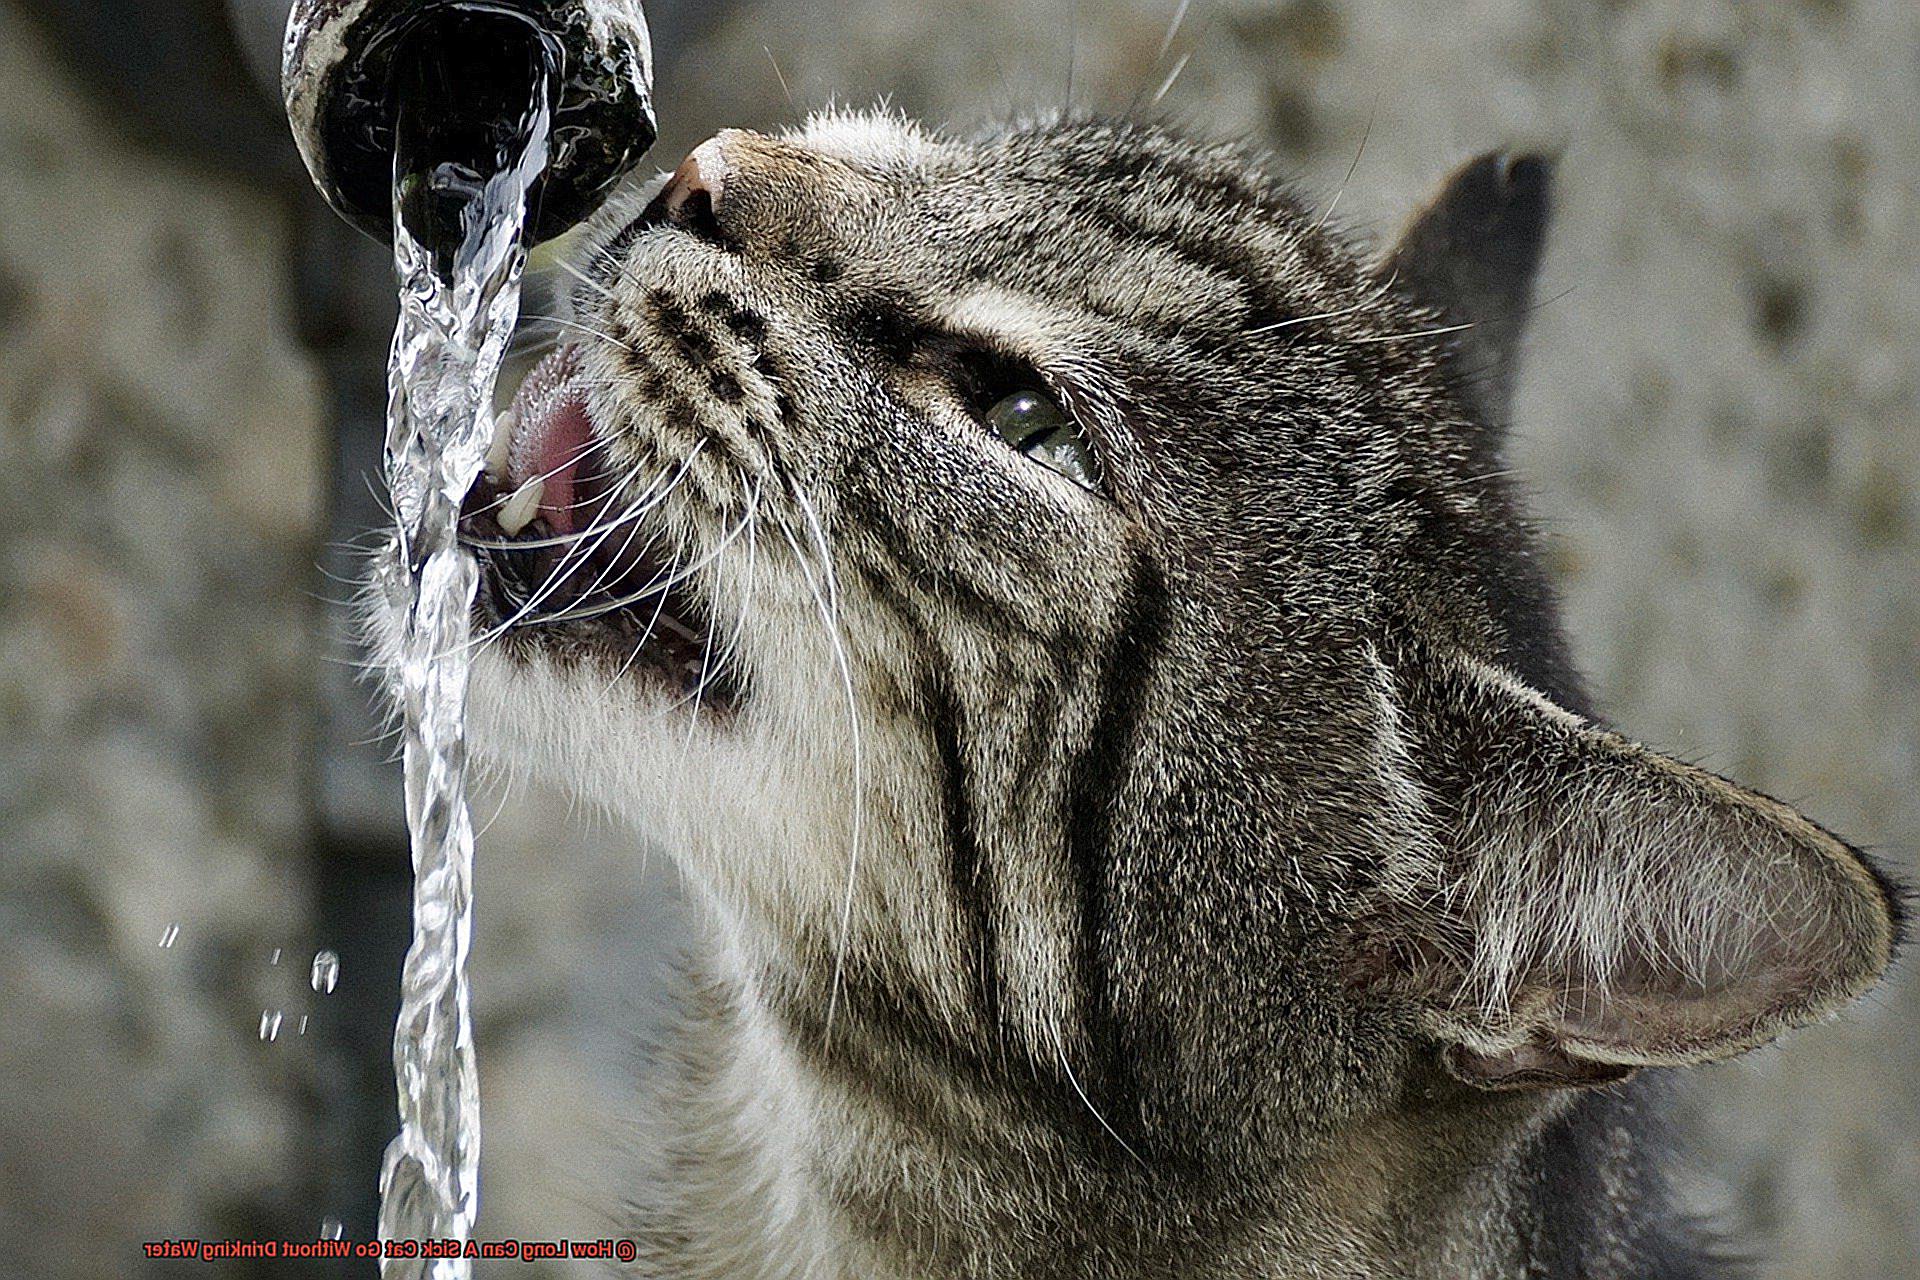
1065 609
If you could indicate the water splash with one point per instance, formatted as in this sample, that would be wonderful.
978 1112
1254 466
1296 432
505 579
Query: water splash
459 253
326 972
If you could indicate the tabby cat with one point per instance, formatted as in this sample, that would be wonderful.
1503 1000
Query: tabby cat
1064 608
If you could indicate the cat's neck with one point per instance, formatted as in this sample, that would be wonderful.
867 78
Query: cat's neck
771 1166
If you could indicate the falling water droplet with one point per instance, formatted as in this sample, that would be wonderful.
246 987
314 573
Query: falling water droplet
169 935
326 971
303 1024
270 1024
331 1228
276 956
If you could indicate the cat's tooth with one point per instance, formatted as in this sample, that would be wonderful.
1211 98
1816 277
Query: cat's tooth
502 442
517 512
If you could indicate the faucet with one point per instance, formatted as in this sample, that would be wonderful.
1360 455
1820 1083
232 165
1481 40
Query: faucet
475 67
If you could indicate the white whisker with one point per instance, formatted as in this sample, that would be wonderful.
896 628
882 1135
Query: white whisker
588 329
542 478
634 511
671 579
785 92
830 618
1173 30
1361 305
1352 168
1059 1047
1166 86
585 279
577 554
1417 333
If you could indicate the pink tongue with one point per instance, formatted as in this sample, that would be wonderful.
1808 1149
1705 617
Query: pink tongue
551 434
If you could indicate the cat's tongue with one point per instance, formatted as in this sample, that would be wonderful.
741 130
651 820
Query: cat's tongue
550 435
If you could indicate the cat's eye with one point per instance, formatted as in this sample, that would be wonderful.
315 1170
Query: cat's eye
1035 424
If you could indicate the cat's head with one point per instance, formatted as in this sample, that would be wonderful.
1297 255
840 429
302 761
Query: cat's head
1064 606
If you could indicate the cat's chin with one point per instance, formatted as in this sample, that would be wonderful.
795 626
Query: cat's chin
656 645
629 751
552 702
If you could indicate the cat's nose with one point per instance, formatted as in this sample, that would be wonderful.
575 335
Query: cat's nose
701 176
745 192
691 199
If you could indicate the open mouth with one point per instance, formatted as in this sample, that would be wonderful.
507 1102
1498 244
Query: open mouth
569 559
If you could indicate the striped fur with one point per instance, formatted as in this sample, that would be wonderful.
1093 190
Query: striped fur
1189 931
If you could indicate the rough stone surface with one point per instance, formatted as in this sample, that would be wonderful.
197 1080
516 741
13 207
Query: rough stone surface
158 432
1718 420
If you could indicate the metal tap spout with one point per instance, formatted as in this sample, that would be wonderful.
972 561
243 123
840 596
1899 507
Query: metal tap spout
471 65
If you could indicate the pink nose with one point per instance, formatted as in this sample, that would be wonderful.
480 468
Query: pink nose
702 173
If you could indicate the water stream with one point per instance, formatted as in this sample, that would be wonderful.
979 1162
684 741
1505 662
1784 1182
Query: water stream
459 214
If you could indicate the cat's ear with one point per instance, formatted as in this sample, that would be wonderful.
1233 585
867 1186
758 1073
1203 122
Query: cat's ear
1589 906
1472 252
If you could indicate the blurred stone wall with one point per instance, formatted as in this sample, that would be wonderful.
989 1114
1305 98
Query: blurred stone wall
159 432
1718 419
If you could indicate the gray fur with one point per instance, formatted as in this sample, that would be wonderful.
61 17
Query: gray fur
1242 887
